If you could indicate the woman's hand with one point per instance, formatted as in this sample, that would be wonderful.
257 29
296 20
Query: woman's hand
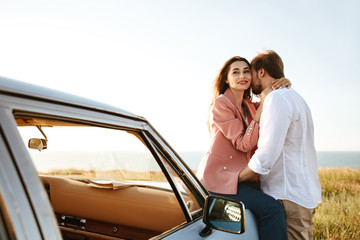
281 83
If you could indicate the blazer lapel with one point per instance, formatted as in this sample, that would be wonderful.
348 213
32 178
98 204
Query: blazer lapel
229 95
251 108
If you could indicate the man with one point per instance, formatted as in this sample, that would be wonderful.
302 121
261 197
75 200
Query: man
286 157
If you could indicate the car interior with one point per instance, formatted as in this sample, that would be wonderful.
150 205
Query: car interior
104 182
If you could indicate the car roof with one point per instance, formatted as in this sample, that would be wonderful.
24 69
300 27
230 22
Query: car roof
32 91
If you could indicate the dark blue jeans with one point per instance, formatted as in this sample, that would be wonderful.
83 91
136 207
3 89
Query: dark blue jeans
270 213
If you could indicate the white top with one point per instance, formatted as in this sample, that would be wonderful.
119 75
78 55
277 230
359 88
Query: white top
286 156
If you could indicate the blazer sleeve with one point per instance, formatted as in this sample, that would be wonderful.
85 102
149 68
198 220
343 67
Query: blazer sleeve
224 116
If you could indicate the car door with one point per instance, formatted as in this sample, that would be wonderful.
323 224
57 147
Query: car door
193 229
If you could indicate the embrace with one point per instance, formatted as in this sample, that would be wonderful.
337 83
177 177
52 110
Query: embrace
263 153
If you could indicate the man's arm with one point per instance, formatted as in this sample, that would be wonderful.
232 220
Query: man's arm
246 174
274 125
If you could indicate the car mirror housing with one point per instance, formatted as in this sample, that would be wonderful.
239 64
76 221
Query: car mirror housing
37 143
224 214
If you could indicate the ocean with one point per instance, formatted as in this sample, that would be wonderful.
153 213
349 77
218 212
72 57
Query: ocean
108 160
326 159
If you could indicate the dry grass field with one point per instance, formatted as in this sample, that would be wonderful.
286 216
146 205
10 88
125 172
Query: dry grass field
338 215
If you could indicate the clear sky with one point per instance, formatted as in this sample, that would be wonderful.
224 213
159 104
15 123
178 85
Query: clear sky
158 58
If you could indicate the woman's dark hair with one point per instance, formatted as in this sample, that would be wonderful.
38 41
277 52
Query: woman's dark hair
220 85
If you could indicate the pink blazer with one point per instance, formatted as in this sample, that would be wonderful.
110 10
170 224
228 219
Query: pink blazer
233 142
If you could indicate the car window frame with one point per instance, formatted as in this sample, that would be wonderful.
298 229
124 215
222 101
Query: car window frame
102 118
152 144
14 190
182 169
169 177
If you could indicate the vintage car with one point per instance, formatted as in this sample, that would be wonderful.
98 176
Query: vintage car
72 168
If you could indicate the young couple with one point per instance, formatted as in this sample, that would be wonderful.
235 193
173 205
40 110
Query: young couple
269 165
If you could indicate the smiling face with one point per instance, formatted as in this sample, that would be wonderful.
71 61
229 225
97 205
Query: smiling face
239 76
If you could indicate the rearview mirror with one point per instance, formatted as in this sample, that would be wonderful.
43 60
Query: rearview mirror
224 214
37 143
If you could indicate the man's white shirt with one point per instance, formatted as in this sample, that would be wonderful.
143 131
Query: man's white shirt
286 156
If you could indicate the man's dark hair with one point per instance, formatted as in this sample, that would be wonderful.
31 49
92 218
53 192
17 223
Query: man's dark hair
271 62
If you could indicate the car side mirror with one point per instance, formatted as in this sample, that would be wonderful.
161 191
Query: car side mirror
224 214
37 143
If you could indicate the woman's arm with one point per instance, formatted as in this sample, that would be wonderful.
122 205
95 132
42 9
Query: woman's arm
243 138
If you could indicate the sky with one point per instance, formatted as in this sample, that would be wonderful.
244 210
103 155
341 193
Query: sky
159 58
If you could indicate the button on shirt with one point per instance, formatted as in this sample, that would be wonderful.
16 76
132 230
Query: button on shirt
286 157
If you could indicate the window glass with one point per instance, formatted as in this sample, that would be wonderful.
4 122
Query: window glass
102 174
92 152
190 199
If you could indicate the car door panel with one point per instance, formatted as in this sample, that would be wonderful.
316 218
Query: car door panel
192 231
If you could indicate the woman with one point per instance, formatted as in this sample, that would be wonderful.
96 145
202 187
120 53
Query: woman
234 126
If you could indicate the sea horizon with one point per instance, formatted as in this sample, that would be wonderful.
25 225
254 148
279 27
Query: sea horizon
326 159
109 159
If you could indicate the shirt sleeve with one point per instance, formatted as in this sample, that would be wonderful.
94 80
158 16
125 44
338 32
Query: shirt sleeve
224 117
274 123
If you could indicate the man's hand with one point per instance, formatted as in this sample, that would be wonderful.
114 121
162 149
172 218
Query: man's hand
246 174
